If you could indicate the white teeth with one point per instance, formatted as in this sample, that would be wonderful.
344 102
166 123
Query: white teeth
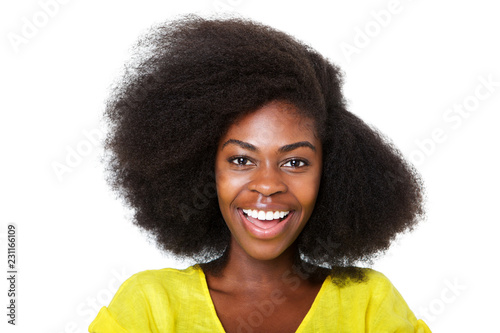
265 216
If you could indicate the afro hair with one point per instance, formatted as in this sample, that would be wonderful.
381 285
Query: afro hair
190 80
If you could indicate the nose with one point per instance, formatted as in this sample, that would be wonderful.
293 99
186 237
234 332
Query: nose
267 181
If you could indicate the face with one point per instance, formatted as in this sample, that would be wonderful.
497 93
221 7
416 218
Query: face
268 170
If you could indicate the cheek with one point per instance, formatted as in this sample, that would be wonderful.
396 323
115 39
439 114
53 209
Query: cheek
227 188
306 191
227 192
307 197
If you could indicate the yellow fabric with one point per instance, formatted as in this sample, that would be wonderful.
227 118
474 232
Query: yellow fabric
170 300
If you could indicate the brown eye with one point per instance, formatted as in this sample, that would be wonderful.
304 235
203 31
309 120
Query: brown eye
243 161
295 163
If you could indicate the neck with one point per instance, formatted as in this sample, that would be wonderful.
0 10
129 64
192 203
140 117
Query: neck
251 270
240 270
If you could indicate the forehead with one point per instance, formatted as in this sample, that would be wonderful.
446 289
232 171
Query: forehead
275 123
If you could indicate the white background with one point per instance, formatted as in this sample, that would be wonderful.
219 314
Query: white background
405 72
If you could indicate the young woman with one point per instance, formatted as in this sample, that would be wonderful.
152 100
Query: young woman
232 143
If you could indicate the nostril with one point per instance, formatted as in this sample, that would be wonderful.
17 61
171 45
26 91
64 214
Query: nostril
267 187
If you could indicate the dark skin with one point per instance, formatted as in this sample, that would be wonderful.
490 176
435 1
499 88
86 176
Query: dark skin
269 161
273 289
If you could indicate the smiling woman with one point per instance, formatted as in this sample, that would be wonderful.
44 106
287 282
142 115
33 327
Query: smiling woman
269 163
304 189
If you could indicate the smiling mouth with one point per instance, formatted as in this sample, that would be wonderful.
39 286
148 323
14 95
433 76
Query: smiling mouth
265 215
265 219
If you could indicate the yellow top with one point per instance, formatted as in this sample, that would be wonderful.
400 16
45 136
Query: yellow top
171 300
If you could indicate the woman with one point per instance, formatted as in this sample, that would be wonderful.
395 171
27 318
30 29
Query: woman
232 143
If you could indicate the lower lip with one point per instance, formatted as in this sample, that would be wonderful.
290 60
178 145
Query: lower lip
261 233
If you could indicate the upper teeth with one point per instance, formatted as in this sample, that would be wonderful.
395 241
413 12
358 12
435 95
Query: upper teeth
263 215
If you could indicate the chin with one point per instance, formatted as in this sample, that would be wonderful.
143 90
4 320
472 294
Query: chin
265 252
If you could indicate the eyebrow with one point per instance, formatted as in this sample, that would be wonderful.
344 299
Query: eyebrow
284 149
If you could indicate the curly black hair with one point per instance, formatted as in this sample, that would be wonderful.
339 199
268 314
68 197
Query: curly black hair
190 80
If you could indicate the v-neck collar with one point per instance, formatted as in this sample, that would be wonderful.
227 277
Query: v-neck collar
303 324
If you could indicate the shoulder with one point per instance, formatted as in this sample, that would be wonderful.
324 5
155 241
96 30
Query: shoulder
383 293
149 299
163 276
376 281
384 307
367 289
374 303
374 287
167 281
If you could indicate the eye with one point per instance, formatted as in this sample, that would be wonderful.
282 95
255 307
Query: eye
240 160
295 163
